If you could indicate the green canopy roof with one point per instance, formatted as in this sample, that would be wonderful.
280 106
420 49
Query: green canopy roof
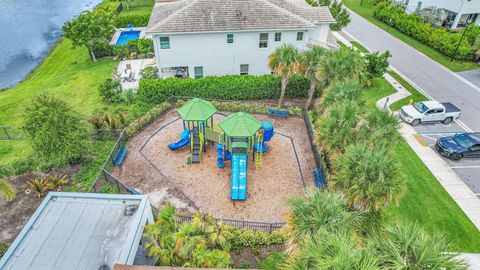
240 124
197 110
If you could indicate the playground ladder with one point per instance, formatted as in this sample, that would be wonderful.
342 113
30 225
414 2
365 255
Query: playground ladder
258 160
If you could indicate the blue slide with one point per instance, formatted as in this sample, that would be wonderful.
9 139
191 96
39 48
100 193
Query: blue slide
238 185
185 140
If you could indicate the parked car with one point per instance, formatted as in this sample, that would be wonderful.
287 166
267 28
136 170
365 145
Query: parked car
428 112
460 145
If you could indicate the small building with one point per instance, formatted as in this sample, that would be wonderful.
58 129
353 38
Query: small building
80 231
455 12
198 38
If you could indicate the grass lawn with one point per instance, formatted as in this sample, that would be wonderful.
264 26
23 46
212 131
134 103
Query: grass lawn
426 202
68 74
366 11
138 7
415 97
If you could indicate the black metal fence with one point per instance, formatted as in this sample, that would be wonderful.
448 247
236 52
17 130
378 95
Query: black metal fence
105 176
268 227
119 8
320 171
12 133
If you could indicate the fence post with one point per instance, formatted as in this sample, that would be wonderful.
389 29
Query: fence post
6 133
118 187
270 230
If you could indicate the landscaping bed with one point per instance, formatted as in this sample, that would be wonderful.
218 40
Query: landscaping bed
16 213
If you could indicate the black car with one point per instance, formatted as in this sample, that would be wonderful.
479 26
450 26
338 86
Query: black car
460 145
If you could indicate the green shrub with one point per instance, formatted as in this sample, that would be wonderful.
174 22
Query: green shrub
242 238
149 73
437 38
3 248
377 64
229 87
110 90
273 261
123 21
136 125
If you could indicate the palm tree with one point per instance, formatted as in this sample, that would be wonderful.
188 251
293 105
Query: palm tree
310 62
328 211
284 62
408 246
343 65
6 190
380 127
332 251
337 127
369 177
342 91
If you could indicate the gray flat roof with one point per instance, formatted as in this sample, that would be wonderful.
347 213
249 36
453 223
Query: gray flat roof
79 231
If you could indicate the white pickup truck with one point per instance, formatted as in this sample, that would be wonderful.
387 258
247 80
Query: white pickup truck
428 112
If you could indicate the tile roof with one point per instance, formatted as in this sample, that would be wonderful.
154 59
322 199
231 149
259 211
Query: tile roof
230 15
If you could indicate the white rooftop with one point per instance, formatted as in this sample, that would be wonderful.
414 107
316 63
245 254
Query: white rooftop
80 231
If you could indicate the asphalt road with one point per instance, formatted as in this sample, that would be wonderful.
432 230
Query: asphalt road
437 81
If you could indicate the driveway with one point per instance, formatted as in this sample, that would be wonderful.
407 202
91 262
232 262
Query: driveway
437 81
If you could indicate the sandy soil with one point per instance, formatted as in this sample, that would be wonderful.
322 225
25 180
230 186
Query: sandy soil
165 176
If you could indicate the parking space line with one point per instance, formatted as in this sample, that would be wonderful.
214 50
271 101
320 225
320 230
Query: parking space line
439 132
465 167
463 125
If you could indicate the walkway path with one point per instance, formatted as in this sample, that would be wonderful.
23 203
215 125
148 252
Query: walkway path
436 80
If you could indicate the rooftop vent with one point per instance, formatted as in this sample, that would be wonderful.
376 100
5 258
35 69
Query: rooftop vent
130 210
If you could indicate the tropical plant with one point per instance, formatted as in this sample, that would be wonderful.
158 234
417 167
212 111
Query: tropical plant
337 250
476 48
284 62
342 65
408 246
59 135
110 121
7 191
342 91
96 121
122 117
90 28
189 244
38 185
379 127
310 62
369 177
338 11
317 210
338 125
55 182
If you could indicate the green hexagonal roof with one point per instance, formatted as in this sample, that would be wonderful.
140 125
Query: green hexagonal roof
240 124
197 110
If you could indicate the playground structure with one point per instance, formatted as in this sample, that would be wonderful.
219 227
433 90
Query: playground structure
235 137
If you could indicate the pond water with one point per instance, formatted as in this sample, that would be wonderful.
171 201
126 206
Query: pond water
28 30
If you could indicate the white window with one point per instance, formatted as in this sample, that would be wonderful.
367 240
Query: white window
198 72
299 35
164 43
244 69
263 40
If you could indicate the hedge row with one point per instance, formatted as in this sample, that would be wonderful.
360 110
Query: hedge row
140 122
242 106
123 21
413 25
230 87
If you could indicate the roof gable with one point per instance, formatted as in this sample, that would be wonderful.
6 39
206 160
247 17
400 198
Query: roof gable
230 15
